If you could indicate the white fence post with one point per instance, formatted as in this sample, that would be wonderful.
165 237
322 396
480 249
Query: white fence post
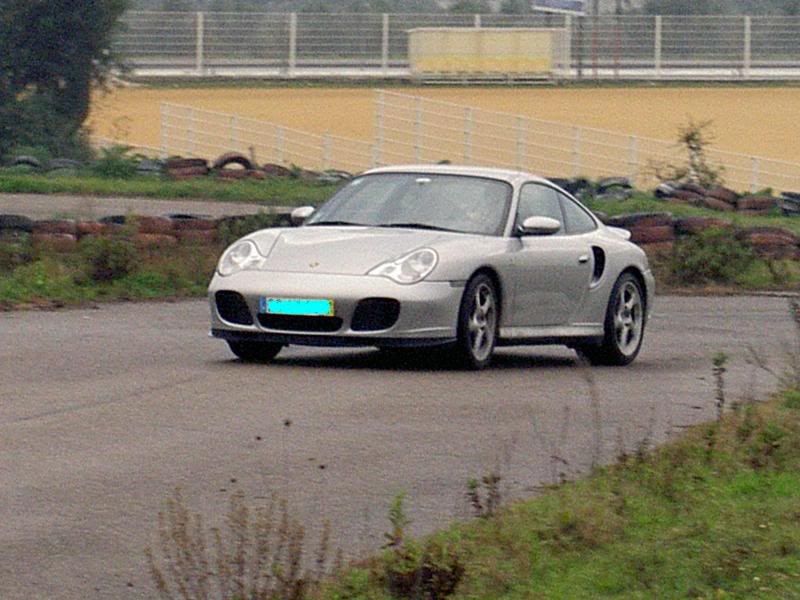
633 157
477 21
520 131
164 129
379 133
566 51
576 152
292 44
468 135
418 129
190 141
327 151
748 23
755 167
199 43
234 126
280 136
385 45
657 49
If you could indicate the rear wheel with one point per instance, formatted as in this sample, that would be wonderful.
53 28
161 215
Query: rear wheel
623 327
477 323
255 351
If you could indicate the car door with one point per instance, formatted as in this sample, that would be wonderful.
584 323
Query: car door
552 272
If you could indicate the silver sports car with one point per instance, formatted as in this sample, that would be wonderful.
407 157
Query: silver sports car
437 256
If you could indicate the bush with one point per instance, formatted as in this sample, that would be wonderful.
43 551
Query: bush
115 162
15 251
233 228
713 256
431 571
108 259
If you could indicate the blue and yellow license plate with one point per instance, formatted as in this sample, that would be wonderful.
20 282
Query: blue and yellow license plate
306 307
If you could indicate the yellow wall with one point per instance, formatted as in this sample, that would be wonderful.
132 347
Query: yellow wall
473 50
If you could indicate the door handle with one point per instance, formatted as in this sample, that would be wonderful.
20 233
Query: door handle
583 258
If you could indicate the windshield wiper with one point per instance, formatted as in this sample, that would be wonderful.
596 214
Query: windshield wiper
335 223
416 226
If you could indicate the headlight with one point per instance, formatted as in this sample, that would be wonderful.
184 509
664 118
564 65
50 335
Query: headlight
411 268
242 255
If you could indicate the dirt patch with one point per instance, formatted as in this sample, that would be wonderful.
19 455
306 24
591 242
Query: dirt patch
749 120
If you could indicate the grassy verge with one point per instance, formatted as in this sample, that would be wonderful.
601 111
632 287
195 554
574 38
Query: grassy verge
712 515
644 202
43 279
272 192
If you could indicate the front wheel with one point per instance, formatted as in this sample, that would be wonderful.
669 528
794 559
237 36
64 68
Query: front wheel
477 323
623 326
255 351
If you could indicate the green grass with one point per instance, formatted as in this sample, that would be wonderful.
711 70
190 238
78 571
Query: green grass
52 279
644 202
694 519
272 192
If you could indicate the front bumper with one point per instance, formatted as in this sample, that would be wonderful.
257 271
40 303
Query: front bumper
427 316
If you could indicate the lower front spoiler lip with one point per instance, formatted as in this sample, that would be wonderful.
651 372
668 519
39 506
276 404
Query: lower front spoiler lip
300 339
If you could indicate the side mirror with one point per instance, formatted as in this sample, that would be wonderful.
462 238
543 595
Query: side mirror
300 214
540 226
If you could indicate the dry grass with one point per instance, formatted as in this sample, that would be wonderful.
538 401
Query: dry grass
257 555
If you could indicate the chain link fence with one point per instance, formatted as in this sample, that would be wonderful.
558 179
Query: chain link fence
368 44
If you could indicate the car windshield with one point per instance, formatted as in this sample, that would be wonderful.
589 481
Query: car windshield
425 201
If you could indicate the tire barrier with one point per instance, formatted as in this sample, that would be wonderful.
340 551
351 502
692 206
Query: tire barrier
725 199
16 223
771 242
55 226
154 240
232 158
56 242
695 225
652 235
649 219
154 225
717 204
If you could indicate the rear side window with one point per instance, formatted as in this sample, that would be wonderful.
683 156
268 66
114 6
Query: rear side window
539 201
577 220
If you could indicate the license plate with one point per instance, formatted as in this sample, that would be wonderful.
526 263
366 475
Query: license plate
307 307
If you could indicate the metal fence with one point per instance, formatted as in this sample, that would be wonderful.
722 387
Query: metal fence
417 129
189 131
414 129
368 44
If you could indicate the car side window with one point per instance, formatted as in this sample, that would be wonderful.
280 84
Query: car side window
537 200
577 220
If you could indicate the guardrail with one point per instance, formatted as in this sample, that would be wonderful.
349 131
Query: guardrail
289 45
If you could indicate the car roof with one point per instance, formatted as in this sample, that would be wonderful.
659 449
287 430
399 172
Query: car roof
508 175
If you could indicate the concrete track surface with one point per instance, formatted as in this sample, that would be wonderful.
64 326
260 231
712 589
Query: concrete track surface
103 412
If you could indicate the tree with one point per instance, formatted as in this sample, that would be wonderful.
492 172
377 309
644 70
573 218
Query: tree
470 6
51 54
513 7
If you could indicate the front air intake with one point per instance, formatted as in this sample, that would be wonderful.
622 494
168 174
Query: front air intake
375 314
232 308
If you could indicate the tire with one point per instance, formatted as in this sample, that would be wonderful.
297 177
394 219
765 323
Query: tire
623 325
478 320
262 352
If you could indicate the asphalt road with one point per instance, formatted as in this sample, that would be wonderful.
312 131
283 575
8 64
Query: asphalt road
103 412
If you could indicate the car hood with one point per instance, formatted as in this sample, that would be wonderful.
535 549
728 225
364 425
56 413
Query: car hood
337 250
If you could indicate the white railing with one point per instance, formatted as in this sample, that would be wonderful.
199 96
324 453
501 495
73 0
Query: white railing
417 129
189 131
414 129
368 44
